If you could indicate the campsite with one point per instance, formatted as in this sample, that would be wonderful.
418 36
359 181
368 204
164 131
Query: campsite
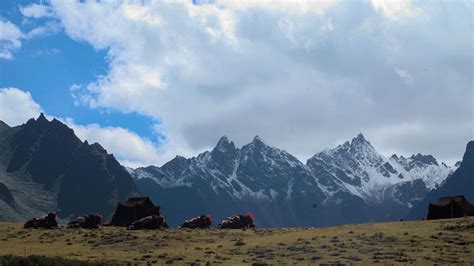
444 241
236 132
138 234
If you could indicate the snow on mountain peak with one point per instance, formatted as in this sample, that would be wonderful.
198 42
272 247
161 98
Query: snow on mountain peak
424 159
223 139
262 171
258 139
356 167
224 145
359 139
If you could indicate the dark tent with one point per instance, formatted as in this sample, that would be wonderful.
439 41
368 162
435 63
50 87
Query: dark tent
450 207
133 209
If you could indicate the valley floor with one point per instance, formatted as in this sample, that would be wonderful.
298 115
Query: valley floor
421 242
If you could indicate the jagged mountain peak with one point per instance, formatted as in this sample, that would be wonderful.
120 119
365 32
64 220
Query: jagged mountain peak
358 148
257 144
468 158
42 124
425 159
224 145
42 118
97 147
177 160
360 141
223 139
179 157
358 167
258 141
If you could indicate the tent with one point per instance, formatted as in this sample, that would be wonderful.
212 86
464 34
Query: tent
133 209
450 207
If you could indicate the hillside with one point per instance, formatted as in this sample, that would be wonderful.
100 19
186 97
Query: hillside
44 166
420 242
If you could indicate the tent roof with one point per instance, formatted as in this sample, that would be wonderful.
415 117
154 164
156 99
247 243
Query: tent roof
133 209
443 201
131 202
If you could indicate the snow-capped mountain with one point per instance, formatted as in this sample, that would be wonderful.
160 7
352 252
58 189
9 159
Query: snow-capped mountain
357 168
255 171
350 183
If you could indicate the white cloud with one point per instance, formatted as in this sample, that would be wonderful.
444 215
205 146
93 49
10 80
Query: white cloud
405 76
10 39
298 7
395 9
127 146
36 11
11 36
47 29
302 76
17 106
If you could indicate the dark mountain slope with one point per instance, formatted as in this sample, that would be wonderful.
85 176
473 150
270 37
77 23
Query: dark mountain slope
461 182
6 195
46 166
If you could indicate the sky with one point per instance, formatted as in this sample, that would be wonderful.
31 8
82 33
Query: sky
150 80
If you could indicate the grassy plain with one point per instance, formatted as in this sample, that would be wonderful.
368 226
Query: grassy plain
420 242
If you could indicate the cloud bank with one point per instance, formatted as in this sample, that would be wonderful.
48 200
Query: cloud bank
131 149
305 75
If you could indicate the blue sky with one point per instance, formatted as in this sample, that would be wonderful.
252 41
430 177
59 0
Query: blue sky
54 63
152 79
48 65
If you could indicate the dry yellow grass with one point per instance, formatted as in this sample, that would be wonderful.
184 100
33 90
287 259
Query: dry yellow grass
422 242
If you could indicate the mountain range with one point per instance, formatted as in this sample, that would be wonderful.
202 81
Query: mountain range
45 166
350 183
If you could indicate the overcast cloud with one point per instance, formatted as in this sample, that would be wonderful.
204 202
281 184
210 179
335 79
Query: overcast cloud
303 76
